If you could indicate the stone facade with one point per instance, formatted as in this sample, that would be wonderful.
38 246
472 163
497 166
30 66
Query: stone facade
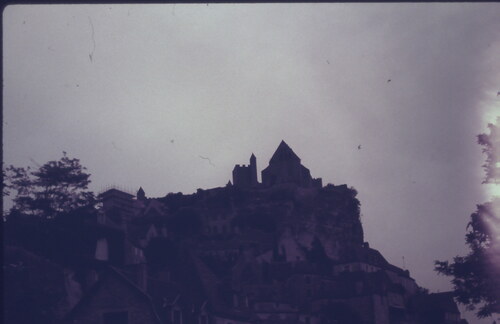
245 176
285 167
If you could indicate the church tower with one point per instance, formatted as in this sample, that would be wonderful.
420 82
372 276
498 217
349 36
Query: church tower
253 170
285 167
245 176
141 195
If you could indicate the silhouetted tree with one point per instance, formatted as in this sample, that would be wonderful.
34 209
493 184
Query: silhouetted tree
491 147
476 276
56 187
50 208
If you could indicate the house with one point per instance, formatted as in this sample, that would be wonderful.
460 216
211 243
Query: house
437 308
35 289
114 299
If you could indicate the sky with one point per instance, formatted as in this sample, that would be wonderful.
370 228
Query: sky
171 97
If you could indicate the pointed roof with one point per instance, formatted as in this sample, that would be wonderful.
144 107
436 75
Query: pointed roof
109 273
284 152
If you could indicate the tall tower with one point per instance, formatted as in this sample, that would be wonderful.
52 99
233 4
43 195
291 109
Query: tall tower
253 170
141 195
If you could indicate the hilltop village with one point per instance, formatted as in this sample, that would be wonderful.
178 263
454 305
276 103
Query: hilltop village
283 250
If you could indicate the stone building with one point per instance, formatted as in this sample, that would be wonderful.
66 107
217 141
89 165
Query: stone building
245 176
285 167
114 299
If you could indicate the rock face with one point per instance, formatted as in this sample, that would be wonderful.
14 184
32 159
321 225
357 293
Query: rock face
289 205
288 212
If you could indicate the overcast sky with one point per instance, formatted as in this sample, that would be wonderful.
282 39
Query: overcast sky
142 94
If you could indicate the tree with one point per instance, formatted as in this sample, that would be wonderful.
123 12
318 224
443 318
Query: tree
56 187
491 147
476 276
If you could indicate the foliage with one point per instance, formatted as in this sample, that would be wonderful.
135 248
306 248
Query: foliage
55 187
174 201
64 239
491 145
475 276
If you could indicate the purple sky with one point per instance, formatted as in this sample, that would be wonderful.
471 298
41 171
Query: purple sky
139 93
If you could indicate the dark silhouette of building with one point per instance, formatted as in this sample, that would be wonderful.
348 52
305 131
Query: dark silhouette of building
288 251
285 167
245 176
117 202
114 299
141 195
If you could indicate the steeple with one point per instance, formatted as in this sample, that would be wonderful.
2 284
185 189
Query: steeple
284 153
253 170
285 167
141 195
245 176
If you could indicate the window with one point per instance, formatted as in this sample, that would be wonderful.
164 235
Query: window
102 250
115 317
